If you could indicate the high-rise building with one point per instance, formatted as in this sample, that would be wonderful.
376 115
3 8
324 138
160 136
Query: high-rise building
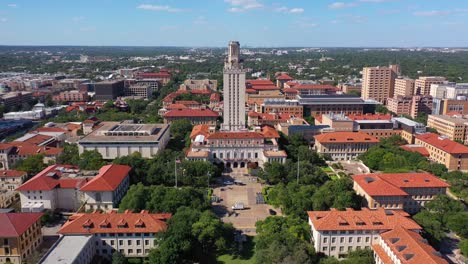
422 86
378 82
234 90
404 87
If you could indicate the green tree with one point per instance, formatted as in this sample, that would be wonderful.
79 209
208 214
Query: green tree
33 164
70 155
91 160
458 223
139 166
180 128
118 258
464 247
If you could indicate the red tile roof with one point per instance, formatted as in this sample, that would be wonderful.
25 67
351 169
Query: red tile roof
394 184
291 83
375 186
192 113
37 139
284 76
235 135
12 173
215 97
200 130
15 224
187 102
346 137
259 82
113 222
25 149
315 87
47 179
250 90
443 144
382 254
51 129
108 179
410 248
365 219
422 150
370 117
176 106
270 132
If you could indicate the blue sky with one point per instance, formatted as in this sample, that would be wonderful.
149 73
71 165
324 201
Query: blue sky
260 23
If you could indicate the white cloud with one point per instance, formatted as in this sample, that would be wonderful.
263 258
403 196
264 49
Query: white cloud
431 13
78 18
200 20
376 1
2 20
341 5
286 10
88 29
305 23
243 5
12 5
159 8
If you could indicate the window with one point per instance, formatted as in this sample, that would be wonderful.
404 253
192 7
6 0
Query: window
350 248
325 239
146 242
129 242
333 240
350 240
138 251
359 239
341 239
120 242
138 242
112 242
333 248
130 251
324 248
341 248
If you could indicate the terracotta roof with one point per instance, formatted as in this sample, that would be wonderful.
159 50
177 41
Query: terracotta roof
364 219
71 183
346 137
37 139
197 154
25 149
443 144
176 106
284 76
187 102
72 127
12 173
375 186
191 113
200 130
409 247
291 83
279 153
416 148
270 132
89 121
15 224
250 90
45 180
51 129
370 117
413 180
315 87
215 97
203 92
382 254
259 82
113 222
235 135
108 179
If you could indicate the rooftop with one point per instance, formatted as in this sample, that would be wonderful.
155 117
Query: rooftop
56 176
370 117
364 219
114 222
346 137
394 184
126 131
236 135
66 250
443 144
15 224
12 173
284 77
108 179
409 247
416 148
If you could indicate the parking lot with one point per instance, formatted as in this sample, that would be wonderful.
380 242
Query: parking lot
245 193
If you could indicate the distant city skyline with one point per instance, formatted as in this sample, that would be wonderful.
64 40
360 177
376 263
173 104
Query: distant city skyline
255 23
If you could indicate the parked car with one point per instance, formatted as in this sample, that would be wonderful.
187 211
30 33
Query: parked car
272 212
238 206
228 182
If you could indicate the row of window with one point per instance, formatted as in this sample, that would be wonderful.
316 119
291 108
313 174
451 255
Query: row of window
350 239
121 242
342 248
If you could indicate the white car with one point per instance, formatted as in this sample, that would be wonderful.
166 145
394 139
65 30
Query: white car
228 182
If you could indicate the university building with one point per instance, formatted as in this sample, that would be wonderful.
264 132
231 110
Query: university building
406 191
344 145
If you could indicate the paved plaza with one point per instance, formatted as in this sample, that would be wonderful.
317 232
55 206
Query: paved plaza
246 193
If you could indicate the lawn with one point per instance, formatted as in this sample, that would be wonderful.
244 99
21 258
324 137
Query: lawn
246 256
327 169
333 177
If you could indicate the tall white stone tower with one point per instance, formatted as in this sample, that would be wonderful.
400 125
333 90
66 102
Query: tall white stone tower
234 90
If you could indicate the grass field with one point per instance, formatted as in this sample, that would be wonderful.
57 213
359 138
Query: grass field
246 256
327 169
